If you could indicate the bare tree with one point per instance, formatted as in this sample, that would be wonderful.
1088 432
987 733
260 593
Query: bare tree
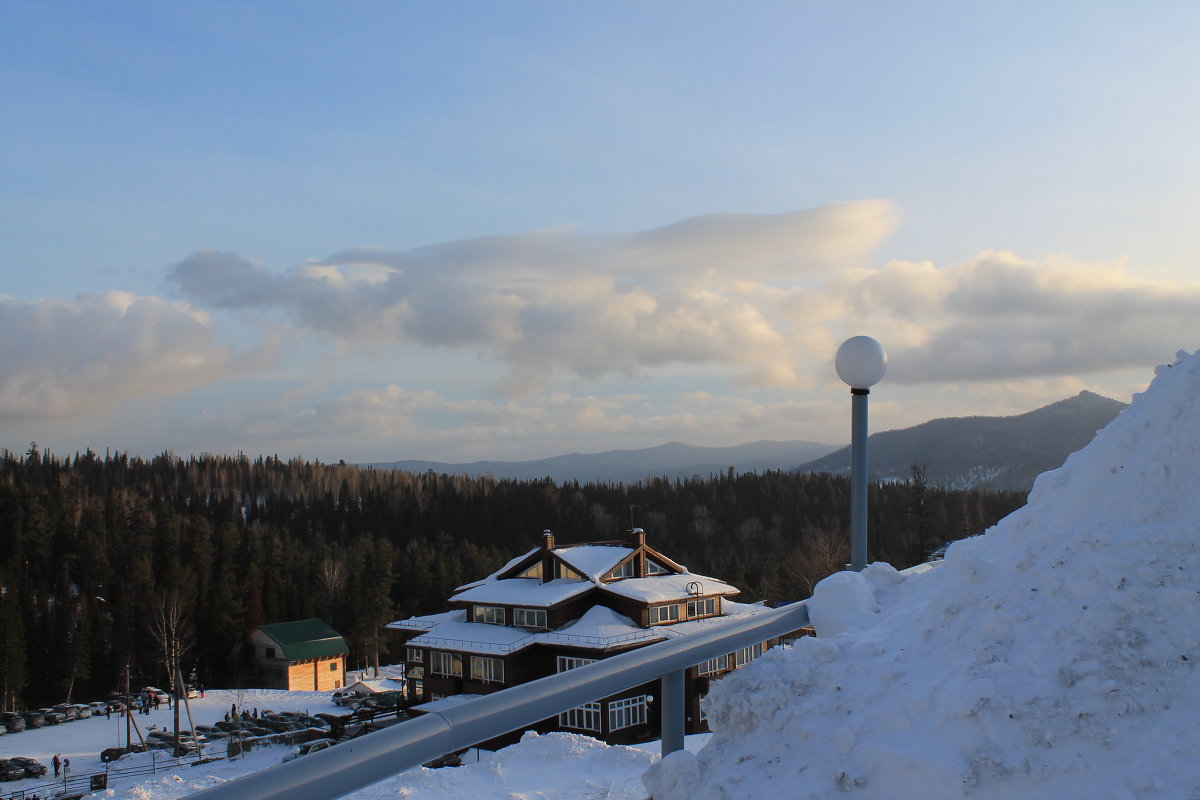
823 554
173 633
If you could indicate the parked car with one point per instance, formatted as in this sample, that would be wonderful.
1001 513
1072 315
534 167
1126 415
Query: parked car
308 747
52 716
191 692
345 697
83 709
33 767
153 693
3 730
13 721
11 771
33 719
68 710
98 708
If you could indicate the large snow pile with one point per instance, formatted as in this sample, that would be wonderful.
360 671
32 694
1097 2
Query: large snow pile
1053 657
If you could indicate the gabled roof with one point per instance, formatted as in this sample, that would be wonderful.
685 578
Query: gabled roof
306 638
594 560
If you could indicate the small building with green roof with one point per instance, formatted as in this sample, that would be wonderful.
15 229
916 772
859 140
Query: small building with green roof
305 654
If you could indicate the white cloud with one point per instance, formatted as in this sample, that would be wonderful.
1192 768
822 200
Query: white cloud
61 358
557 301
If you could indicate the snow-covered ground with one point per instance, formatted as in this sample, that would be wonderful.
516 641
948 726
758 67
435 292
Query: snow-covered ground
557 766
1054 657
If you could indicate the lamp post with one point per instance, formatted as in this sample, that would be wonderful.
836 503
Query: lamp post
861 363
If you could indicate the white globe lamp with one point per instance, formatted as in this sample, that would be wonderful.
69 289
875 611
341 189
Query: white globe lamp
861 362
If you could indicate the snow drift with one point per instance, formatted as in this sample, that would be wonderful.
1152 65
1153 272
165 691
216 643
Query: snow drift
1053 657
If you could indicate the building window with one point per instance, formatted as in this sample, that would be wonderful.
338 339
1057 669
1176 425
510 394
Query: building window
668 613
563 571
571 662
270 652
488 670
623 571
747 654
417 688
492 615
529 618
584 718
713 665
333 666
416 654
702 608
655 568
627 713
337 684
445 663
532 572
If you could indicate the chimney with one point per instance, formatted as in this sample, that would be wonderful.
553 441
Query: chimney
639 537
547 540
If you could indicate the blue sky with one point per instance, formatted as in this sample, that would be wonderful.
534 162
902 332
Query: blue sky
509 230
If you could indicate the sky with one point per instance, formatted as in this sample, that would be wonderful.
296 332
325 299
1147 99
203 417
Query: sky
472 230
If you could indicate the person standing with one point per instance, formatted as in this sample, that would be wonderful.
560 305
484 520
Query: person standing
57 762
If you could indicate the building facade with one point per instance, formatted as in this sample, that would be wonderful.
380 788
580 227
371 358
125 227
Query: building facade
304 654
557 608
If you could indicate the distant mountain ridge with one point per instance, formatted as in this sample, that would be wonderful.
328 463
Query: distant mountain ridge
673 460
958 452
983 452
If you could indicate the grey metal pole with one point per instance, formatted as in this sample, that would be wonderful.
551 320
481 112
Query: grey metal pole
858 479
674 710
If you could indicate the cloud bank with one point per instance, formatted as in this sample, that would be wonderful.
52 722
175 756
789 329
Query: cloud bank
62 358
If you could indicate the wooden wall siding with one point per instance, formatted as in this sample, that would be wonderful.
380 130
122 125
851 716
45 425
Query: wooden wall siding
316 675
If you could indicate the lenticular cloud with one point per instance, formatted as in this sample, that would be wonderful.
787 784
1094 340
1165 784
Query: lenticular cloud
1053 657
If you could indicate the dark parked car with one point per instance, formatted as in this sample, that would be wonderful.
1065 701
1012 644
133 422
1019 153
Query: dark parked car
33 719
33 767
52 716
13 721
11 771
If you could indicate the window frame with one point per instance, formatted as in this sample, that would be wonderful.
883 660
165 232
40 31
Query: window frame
583 715
626 569
658 615
488 611
519 613
628 712
415 655
568 663
445 658
709 605
487 669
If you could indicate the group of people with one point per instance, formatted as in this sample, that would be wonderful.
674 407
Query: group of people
61 765
244 714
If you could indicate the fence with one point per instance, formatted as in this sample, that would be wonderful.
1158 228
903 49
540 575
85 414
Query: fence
369 759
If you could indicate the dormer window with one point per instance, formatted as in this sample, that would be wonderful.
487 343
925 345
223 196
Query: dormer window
529 618
566 572
533 572
492 615
623 571
655 568
661 614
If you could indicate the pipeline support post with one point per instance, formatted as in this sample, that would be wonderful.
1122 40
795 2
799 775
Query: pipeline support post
674 711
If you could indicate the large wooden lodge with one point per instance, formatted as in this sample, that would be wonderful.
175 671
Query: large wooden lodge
559 607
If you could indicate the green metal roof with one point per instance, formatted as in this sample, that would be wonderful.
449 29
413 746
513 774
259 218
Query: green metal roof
306 638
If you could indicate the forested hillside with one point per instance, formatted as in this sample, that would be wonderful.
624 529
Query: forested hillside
112 560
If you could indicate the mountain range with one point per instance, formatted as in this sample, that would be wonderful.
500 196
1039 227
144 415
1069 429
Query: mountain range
957 452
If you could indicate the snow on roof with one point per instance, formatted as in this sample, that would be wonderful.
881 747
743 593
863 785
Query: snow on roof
377 685
524 592
663 588
593 560
473 637
428 621
1051 657
601 627
512 562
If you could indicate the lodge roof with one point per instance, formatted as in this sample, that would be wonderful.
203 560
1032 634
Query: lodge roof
306 638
